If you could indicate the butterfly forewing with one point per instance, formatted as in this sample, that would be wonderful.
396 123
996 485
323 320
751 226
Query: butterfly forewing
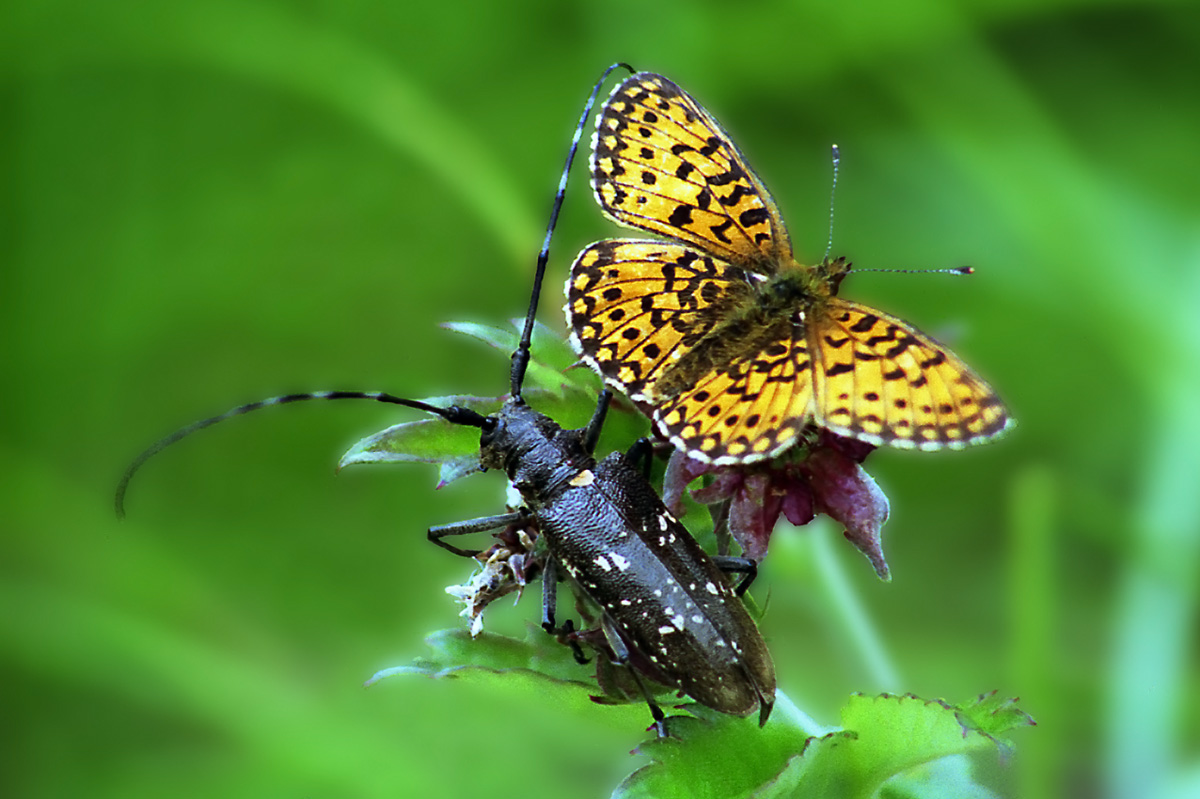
881 380
662 164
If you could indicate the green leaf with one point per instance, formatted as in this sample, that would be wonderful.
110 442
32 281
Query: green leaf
552 349
456 447
948 777
537 663
427 441
893 735
537 375
499 338
454 652
454 468
551 357
715 756
902 742
992 716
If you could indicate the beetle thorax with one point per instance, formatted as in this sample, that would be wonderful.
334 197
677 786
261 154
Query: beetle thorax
538 456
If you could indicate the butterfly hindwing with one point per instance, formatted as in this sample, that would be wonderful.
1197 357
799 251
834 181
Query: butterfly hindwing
661 163
634 307
881 380
753 409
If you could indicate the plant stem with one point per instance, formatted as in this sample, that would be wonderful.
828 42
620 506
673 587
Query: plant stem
855 621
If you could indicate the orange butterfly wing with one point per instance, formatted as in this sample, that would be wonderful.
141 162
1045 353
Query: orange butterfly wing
635 307
662 164
880 380
749 410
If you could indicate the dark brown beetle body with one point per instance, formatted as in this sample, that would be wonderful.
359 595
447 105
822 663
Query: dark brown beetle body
657 589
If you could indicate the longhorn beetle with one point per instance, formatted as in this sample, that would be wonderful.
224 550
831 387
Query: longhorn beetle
665 607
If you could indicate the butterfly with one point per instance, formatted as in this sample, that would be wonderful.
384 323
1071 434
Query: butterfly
734 346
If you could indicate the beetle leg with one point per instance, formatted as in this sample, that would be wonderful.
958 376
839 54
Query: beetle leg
591 433
621 653
566 633
568 637
639 455
549 596
747 566
436 534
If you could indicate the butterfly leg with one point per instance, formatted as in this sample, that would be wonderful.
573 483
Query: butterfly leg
720 519
436 534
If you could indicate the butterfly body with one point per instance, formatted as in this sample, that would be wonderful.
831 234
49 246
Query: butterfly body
734 345
752 318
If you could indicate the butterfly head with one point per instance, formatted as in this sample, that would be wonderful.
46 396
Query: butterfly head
832 271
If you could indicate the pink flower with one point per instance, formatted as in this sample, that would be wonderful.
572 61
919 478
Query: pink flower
825 478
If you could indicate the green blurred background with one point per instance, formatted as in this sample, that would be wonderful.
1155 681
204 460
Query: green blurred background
209 203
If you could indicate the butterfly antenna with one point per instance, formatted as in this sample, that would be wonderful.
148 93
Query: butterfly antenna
837 157
954 270
454 414
520 358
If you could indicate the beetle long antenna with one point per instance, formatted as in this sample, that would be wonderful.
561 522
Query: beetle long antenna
520 358
454 414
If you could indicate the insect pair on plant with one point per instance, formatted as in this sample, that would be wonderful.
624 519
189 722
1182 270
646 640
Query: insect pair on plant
742 357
